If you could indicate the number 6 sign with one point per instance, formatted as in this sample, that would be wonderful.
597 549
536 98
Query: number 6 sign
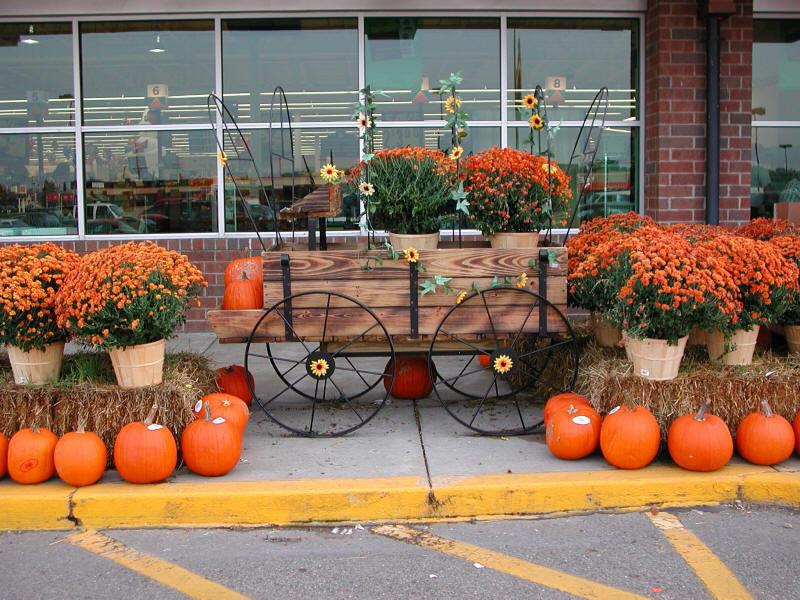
157 90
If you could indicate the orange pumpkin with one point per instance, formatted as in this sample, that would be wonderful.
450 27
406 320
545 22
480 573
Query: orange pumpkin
80 458
630 437
251 266
561 401
233 380
700 442
242 294
484 359
229 407
30 455
145 452
411 379
795 426
573 432
3 455
211 447
764 438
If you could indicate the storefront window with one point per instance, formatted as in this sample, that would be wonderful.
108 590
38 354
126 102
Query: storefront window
776 169
315 61
36 75
436 138
150 182
147 73
312 149
613 184
406 57
37 184
571 59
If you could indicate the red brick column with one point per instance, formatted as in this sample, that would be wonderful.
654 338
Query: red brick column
675 121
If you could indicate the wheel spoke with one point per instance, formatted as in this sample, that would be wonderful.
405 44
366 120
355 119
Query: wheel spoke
549 347
525 322
281 359
313 407
491 322
357 372
344 397
466 343
290 386
354 340
485 396
519 412
467 374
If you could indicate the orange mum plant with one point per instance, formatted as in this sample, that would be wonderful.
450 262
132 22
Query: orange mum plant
508 190
30 277
126 295
766 229
789 247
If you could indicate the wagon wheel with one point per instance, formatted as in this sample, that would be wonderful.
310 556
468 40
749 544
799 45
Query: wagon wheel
327 385
526 364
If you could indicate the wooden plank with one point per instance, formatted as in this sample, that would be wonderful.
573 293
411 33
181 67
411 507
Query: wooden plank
463 262
395 292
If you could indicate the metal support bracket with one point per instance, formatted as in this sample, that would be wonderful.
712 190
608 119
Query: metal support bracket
312 233
413 295
544 263
286 273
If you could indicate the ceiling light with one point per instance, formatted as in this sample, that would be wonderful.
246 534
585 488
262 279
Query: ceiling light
157 49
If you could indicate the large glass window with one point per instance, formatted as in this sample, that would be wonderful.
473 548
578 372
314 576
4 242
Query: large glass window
150 182
776 168
315 61
407 56
436 138
147 72
37 184
571 59
36 75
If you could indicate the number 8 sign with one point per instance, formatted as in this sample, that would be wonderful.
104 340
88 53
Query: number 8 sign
557 83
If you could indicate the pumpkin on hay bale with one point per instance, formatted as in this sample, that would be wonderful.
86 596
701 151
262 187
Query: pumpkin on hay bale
87 392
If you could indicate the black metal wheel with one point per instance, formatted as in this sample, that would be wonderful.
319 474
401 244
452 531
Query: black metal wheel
328 384
509 349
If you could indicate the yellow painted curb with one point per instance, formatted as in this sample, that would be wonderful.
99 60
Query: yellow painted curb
251 503
774 487
40 506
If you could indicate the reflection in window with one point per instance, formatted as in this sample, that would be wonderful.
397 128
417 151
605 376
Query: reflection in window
150 182
36 74
37 184
572 59
776 70
315 61
147 73
312 149
776 169
406 57
436 138
613 185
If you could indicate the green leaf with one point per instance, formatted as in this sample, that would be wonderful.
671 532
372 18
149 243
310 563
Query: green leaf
368 157
496 281
427 287
474 287
441 279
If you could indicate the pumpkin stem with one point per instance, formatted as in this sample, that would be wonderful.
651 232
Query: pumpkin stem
701 412
208 411
244 276
82 423
151 415
572 410
766 409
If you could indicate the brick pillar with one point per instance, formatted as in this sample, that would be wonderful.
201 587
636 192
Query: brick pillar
675 123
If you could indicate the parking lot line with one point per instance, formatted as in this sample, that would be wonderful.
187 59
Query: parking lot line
522 569
718 579
166 573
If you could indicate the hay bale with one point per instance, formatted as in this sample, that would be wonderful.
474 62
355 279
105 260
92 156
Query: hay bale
607 378
87 392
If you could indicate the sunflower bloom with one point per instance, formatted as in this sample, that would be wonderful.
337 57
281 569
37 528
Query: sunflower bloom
319 367
363 122
536 122
456 152
222 158
411 254
366 188
329 173
522 280
452 104
461 295
530 101
503 364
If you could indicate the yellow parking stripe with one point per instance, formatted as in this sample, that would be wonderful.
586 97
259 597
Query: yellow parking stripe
552 578
164 572
717 578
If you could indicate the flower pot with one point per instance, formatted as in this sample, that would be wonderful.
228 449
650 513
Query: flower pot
509 240
36 367
605 334
139 366
742 343
655 359
697 337
420 241
793 338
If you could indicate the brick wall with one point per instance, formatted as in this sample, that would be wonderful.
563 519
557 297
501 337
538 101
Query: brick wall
675 123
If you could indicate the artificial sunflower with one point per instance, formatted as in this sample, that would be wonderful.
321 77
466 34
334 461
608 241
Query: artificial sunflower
503 364
530 101
366 188
456 152
536 122
222 158
329 173
522 280
411 254
452 104
552 168
319 367
461 295
363 121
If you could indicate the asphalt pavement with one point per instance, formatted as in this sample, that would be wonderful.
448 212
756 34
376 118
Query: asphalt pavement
725 552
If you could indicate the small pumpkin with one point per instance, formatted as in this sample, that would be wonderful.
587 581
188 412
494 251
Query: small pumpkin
700 442
412 379
3 455
795 426
145 452
211 447
484 360
630 437
30 455
242 294
233 380
251 266
764 438
229 407
561 401
573 432
80 458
